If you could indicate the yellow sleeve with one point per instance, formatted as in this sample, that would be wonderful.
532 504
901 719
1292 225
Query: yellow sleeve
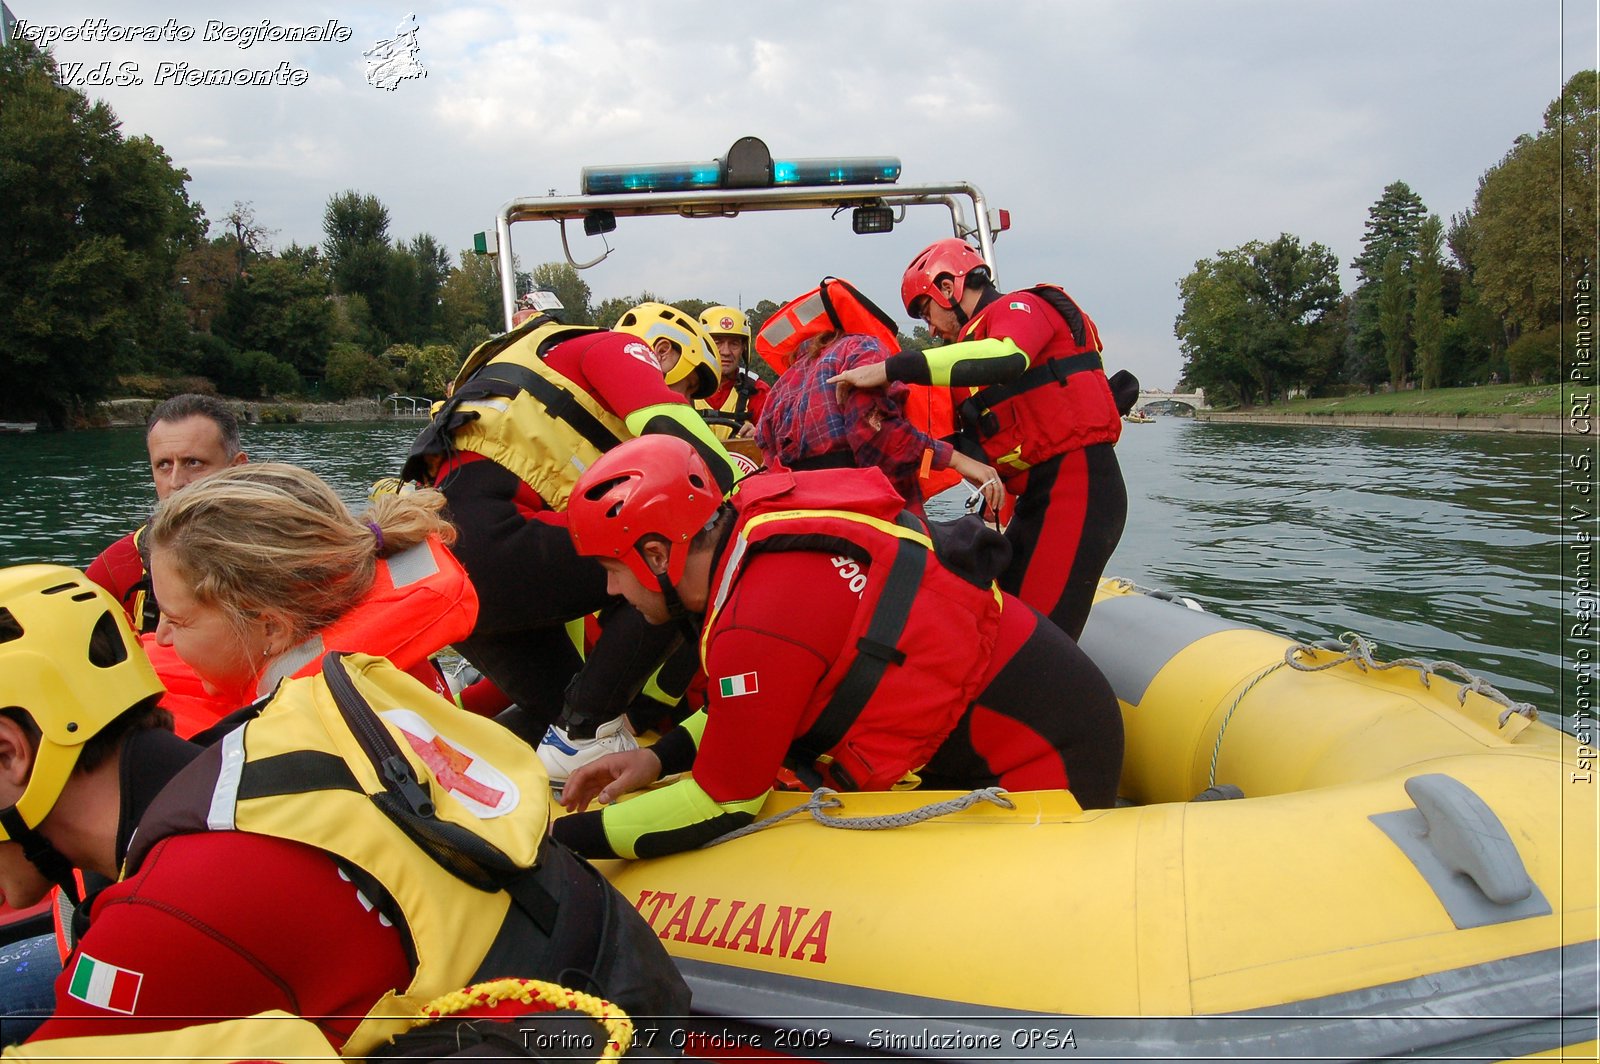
681 420
680 816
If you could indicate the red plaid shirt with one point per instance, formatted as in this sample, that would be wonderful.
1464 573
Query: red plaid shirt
803 419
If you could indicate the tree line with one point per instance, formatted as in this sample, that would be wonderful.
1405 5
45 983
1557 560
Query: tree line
1476 301
112 281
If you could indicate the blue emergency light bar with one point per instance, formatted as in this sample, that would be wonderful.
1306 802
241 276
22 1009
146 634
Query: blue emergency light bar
663 177
680 177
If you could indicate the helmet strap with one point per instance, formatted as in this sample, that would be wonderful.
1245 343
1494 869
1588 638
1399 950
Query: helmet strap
44 856
677 612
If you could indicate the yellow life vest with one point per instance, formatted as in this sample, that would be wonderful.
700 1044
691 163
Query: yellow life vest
508 405
474 790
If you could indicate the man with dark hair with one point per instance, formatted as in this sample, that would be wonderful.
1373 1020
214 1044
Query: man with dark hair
188 437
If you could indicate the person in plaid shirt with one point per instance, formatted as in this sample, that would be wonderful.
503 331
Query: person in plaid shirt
805 426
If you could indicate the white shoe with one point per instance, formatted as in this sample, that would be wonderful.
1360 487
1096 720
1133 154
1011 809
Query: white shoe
563 755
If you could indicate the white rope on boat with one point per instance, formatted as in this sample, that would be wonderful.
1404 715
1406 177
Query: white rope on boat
1358 650
1222 729
824 798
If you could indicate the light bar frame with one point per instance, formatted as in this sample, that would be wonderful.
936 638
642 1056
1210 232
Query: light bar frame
961 199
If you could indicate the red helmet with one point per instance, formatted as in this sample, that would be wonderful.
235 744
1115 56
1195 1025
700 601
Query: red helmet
952 256
654 484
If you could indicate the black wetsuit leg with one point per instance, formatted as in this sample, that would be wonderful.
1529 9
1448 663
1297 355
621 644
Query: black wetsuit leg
1046 718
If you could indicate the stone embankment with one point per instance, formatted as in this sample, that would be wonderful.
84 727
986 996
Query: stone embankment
136 411
1547 425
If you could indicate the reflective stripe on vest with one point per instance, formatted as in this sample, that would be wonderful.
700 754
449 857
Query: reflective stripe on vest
300 771
511 407
420 602
833 306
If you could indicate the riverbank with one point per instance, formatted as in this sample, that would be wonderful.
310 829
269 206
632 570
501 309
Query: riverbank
1541 425
135 412
1514 408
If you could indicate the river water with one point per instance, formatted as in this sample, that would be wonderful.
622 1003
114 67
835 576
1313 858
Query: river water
1434 545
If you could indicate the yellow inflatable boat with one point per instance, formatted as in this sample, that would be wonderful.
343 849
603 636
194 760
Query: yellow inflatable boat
1410 871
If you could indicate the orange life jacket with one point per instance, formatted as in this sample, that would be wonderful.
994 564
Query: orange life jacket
921 638
832 306
931 409
420 602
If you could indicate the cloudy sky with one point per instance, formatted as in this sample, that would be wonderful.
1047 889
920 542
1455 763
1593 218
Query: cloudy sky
1128 139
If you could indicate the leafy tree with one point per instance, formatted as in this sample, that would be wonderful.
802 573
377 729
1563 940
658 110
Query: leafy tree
357 248
1392 224
759 314
1472 346
205 272
1534 214
90 235
469 339
1427 314
281 307
694 307
1253 318
1534 358
1394 302
353 372
471 296
433 269
611 310
1462 239
573 291
268 376
425 370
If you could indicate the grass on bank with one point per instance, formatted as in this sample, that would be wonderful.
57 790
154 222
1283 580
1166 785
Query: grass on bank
1487 400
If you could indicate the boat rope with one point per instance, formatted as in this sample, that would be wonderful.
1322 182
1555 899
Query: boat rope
1358 650
824 798
1222 729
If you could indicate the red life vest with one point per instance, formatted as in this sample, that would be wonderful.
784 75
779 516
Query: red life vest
917 647
1061 403
832 306
124 570
420 602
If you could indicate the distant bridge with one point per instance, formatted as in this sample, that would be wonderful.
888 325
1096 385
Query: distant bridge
1195 400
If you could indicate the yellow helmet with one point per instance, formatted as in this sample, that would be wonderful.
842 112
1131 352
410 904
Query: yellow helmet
67 657
697 353
725 321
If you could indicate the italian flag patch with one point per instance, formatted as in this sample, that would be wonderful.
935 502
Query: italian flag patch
105 986
734 686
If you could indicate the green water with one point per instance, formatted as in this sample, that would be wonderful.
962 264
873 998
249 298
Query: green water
1438 546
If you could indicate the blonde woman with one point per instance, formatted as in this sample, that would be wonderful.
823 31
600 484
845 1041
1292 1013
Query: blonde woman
265 570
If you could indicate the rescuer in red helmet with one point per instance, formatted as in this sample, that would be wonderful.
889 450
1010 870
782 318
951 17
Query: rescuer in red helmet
1031 391
905 658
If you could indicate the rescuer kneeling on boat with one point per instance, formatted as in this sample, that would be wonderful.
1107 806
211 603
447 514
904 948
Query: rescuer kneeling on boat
530 410
354 846
835 640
